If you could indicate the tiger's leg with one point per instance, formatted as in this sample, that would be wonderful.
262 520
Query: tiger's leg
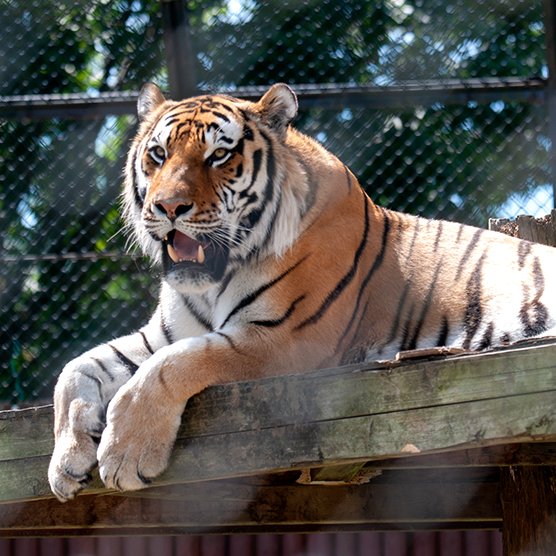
144 416
83 391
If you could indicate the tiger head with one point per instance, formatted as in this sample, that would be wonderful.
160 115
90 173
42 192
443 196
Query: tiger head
210 183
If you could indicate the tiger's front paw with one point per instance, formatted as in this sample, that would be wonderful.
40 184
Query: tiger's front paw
74 456
138 440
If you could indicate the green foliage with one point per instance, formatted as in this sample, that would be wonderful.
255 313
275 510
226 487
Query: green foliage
59 183
59 179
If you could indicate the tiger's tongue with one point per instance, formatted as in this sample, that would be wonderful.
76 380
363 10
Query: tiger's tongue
185 248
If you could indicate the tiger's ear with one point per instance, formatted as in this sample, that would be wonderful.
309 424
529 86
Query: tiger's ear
278 107
150 98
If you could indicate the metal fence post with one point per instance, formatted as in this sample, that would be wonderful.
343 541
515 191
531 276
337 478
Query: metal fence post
178 47
549 7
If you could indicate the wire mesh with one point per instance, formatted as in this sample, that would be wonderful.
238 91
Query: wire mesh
384 42
72 46
66 280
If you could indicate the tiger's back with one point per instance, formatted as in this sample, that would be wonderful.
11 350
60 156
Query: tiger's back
455 285
274 260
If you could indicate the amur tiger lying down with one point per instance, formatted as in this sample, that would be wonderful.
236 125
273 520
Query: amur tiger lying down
274 261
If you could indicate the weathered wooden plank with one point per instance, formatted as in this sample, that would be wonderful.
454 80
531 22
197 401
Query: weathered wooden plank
538 454
326 395
341 416
355 391
246 506
522 418
471 424
26 433
24 479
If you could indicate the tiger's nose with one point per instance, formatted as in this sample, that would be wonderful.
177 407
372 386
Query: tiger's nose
172 207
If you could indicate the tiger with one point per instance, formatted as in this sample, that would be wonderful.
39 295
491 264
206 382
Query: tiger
273 261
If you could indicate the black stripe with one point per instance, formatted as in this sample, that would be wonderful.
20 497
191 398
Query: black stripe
210 105
225 106
248 133
229 340
103 367
470 247
460 231
225 282
175 115
533 314
270 227
365 349
185 106
270 170
376 265
139 199
128 363
165 329
238 149
313 186
269 193
146 342
216 126
281 320
412 344
254 216
414 238
92 377
348 177
221 116
404 342
398 315
257 157
253 296
474 309
345 281
438 234
523 249
182 124
486 340
443 334
193 310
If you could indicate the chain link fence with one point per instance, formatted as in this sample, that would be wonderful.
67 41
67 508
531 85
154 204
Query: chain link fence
441 108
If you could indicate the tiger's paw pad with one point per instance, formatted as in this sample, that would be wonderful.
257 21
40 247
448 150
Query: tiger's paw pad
136 444
70 471
131 465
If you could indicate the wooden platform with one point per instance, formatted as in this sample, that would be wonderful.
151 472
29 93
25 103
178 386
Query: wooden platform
415 444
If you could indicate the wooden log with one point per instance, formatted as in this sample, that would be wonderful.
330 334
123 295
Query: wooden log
488 456
538 230
497 224
529 510
341 416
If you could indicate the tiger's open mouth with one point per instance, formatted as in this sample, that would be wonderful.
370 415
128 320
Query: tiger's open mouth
185 252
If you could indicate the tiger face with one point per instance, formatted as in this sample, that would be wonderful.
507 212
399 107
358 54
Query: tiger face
204 183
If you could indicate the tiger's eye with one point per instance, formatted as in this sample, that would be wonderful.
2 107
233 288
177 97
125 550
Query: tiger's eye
219 153
158 154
